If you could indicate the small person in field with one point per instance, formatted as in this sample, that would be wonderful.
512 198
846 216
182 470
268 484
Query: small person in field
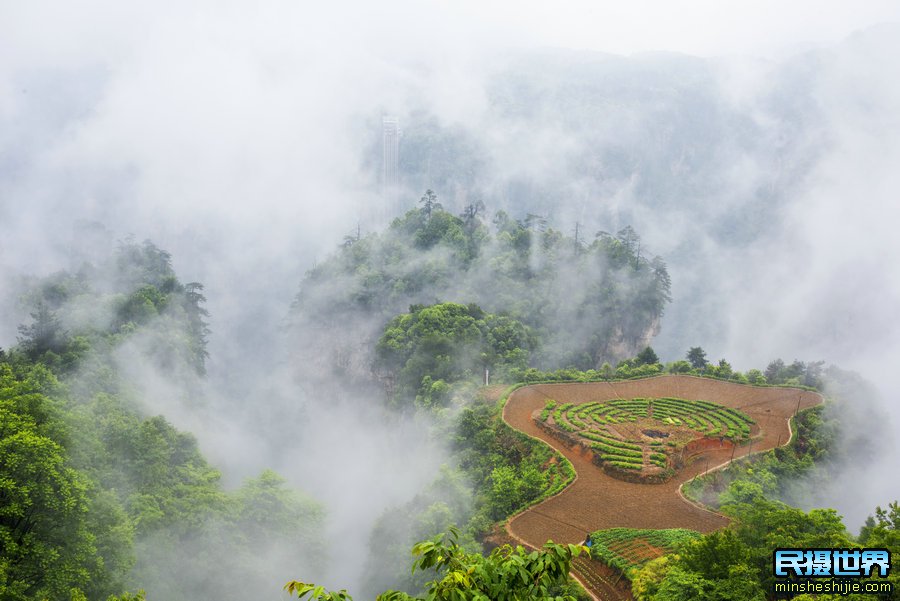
587 540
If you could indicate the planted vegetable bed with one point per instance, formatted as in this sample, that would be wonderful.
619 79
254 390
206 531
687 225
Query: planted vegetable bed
643 434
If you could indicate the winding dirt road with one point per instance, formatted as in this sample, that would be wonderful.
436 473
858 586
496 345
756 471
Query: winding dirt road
595 500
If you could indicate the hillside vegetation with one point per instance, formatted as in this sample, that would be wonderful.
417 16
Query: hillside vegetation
96 495
103 497
587 299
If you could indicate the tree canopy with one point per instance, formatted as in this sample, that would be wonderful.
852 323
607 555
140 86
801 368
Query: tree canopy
429 348
697 357
585 303
507 574
95 494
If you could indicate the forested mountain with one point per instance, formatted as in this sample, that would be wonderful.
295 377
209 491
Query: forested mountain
586 299
103 497
704 157
98 496
600 138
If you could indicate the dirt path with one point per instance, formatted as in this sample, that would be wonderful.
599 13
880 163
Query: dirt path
595 501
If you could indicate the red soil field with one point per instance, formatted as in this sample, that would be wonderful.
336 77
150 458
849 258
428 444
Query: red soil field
595 500
636 550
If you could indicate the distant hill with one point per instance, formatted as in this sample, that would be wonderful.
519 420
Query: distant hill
595 299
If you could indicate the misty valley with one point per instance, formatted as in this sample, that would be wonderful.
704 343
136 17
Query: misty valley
448 301
103 497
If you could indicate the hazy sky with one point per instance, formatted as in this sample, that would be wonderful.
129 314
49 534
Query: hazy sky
702 27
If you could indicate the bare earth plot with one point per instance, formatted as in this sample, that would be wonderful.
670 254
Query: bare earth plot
596 500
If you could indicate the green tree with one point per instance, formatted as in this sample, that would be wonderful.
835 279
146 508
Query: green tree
93 494
471 214
45 547
430 203
723 369
697 357
197 325
682 585
715 567
44 334
138 596
647 580
507 574
646 357
510 489
584 304
267 511
883 531
713 555
679 367
430 348
754 376
774 371
762 525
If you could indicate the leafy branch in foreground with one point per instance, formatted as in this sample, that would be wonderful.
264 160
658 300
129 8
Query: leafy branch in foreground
301 589
506 574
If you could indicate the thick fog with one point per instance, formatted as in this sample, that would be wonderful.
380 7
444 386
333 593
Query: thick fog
754 149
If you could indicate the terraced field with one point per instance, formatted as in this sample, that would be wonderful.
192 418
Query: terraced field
645 436
628 549
598 501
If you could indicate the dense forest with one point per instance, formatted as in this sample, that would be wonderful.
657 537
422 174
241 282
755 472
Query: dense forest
102 497
99 497
587 299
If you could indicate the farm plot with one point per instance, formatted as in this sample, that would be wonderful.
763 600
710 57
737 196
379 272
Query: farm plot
597 500
642 434
628 549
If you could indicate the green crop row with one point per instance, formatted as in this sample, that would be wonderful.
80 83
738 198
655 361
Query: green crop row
622 547
620 454
604 411
547 409
631 405
566 426
626 466
557 415
613 442
571 417
705 417
585 410
681 407
658 459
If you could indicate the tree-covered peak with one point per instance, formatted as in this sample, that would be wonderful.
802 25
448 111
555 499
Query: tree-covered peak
588 300
423 352
134 287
